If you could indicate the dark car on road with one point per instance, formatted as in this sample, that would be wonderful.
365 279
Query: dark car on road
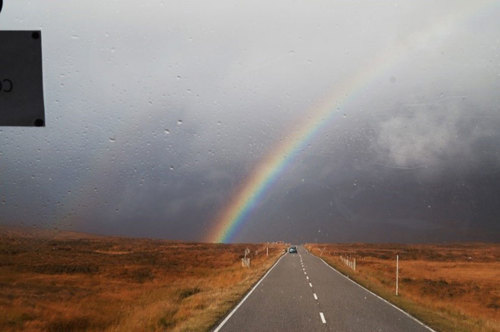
292 250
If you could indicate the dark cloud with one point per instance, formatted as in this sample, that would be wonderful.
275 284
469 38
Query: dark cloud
157 112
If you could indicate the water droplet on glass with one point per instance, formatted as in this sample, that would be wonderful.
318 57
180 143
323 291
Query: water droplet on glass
112 139
179 122
167 132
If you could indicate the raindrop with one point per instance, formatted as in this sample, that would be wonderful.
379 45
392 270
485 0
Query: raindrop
112 139
179 122
171 167
167 132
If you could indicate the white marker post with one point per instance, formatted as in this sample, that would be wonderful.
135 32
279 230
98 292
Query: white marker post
397 274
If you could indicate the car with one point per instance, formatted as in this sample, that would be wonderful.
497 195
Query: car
292 250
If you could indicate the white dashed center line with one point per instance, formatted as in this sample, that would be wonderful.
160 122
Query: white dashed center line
323 320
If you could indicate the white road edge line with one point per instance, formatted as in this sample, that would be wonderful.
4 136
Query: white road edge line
310 285
315 296
380 298
246 296
322 317
307 277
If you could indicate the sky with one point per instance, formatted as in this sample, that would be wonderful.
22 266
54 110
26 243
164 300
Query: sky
158 112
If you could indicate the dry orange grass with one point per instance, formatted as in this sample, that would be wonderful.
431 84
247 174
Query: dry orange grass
69 282
451 287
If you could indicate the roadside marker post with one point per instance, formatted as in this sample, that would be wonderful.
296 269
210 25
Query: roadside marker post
245 261
397 274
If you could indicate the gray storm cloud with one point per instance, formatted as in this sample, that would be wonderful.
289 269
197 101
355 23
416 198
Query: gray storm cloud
158 111
423 137
436 133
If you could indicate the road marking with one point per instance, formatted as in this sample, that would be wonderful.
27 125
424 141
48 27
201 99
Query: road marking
307 277
315 296
244 299
322 317
305 272
380 298
310 285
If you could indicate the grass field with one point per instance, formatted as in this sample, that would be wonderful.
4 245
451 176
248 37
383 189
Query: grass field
57 281
452 287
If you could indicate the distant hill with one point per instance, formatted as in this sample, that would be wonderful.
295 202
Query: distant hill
34 232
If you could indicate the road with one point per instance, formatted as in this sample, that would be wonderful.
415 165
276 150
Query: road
303 293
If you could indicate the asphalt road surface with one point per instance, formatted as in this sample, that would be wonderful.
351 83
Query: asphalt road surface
302 293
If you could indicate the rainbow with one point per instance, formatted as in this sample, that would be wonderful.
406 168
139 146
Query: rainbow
231 217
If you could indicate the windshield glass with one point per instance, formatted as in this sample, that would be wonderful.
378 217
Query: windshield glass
185 144
218 121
